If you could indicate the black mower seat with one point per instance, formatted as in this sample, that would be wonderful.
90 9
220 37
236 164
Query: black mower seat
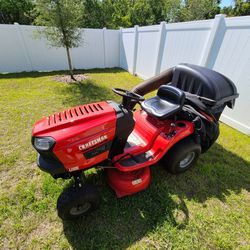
168 101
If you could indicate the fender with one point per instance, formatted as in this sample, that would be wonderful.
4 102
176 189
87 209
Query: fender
157 137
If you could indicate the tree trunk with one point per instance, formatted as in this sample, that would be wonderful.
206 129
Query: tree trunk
70 64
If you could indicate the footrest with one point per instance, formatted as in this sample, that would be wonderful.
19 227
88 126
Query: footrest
137 159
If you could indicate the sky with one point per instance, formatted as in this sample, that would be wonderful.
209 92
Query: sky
226 3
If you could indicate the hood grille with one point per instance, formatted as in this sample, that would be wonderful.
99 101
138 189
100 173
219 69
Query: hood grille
74 113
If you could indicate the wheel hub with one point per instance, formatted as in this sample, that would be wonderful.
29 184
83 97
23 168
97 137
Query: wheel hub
189 157
80 209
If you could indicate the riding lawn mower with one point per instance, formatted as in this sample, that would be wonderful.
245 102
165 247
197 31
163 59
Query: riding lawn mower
172 128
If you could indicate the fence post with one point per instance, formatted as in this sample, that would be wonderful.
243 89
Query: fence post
120 47
215 29
104 46
29 66
135 49
160 47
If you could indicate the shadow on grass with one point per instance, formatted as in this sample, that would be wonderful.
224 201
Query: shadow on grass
87 91
34 74
219 174
84 92
121 222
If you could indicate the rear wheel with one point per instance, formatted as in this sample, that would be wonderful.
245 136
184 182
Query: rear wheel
75 202
181 156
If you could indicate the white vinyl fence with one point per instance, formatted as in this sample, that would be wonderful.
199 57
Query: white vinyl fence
222 44
20 51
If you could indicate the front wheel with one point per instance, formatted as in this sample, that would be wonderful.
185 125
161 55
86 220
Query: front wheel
181 156
75 202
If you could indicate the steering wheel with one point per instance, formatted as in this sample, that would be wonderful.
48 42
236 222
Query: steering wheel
128 94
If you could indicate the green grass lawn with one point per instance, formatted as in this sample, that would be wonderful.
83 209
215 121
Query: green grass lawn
207 207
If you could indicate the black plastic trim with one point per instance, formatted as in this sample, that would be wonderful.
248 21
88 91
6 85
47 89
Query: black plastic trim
97 151
48 162
53 167
124 126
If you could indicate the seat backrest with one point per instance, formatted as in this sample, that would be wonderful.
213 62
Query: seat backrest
171 94
203 82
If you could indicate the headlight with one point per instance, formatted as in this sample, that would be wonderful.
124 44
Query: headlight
43 143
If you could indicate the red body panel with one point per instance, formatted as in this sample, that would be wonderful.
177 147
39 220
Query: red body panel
75 127
130 182
152 136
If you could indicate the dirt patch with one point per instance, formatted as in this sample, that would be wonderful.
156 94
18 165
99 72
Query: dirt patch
67 78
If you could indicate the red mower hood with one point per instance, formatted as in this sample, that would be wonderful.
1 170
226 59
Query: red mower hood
76 130
71 117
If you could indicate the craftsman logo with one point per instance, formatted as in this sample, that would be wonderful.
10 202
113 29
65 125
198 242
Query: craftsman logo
93 142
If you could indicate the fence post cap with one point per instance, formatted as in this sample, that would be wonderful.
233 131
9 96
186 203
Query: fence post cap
220 16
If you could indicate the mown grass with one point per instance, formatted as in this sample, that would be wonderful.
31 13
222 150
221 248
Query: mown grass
204 208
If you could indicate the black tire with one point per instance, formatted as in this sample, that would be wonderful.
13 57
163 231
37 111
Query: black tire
75 202
181 156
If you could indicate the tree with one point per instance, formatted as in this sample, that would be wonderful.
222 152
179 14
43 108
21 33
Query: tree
117 13
127 13
21 11
171 10
93 16
147 12
240 8
62 19
198 10
228 11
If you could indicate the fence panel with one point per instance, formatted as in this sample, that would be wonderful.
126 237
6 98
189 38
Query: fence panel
20 51
184 42
148 38
12 51
127 48
91 52
41 55
222 44
233 60
112 48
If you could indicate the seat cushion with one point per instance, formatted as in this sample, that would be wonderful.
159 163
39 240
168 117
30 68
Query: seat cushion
168 101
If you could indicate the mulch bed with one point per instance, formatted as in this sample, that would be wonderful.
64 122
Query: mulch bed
67 78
